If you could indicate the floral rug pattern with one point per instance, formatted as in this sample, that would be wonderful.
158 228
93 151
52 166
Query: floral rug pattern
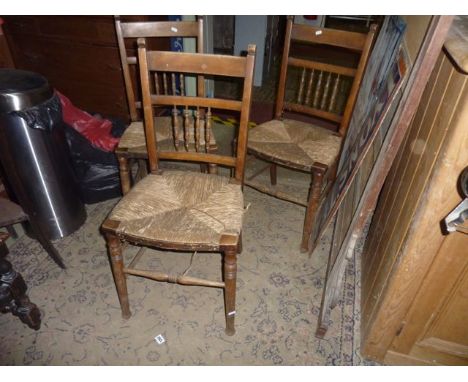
279 292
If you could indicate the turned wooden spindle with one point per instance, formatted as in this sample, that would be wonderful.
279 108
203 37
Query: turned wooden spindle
186 128
208 123
318 90
197 130
309 87
175 125
301 86
173 83
156 82
165 83
332 105
125 181
182 84
325 92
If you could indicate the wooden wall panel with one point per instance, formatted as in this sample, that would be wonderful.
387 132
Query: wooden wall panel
405 235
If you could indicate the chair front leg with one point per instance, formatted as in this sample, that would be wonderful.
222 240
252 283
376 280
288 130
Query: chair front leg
312 204
124 173
115 252
230 276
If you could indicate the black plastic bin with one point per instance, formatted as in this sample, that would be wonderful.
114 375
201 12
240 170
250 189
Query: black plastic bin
34 153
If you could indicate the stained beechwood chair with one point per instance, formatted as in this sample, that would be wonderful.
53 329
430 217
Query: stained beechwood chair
185 210
300 145
132 145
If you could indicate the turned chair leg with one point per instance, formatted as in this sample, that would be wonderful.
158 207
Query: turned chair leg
142 169
239 244
230 272
115 252
124 174
273 174
212 169
312 204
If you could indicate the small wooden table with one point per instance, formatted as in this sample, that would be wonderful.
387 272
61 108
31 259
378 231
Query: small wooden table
13 296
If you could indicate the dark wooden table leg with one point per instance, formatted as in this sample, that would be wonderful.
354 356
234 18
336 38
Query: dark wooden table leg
13 296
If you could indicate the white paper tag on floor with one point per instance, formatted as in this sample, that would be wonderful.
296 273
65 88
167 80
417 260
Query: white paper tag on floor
159 339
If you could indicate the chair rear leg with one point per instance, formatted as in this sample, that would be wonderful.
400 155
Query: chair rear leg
230 276
312 204
212 168
115 252
142 169
124 174
273 174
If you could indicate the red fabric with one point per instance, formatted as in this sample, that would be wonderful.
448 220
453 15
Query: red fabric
96 130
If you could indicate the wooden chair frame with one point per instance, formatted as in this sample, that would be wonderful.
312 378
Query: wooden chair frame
321 174
149 29
229 245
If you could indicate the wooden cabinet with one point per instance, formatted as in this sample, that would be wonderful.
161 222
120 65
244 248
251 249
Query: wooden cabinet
77 54
414 276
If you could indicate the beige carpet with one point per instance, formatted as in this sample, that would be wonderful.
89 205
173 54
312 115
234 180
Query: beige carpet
278 301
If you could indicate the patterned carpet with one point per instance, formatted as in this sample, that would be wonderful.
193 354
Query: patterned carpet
278 300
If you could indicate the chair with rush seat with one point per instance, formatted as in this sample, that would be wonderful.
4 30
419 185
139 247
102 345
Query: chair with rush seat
132 144
314 88
185 210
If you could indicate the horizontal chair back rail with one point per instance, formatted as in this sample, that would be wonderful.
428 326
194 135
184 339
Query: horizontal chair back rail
334 37
195 64
160 29
216 103
292 61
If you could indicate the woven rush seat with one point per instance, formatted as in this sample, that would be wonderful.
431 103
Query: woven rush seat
181 207
295 141
134 135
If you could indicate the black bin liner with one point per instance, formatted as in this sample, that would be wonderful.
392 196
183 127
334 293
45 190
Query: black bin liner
97 170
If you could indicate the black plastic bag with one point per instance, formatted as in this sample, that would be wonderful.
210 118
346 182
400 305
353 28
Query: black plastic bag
97 171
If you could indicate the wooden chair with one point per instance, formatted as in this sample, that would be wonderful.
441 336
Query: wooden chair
132 144
185 210
300 145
